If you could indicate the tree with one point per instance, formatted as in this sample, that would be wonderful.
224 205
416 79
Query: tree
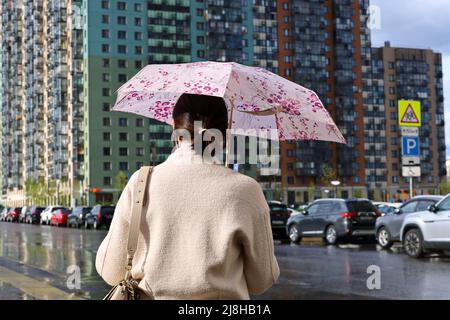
444 187
32 189
357 193
328 175
121 180
311 191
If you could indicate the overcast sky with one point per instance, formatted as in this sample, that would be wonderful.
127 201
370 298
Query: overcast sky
418 24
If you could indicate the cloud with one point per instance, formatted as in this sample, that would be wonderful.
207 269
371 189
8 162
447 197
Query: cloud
418 24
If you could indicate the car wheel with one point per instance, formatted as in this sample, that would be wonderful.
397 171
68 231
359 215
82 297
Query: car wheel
384 238
294 235
413 243
331 235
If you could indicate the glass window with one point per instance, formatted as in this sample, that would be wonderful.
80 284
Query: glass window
106 151
139 122
106 136
105 19
123 136
445 204
424 204
105 47
313 209
123 151
107 181
139 151
123 166
106 107
121 5
137 7
105 4
409 207
106 121
121 20
123 122
105 63
123 78
105 33
121 34
106 92
107 166
139 136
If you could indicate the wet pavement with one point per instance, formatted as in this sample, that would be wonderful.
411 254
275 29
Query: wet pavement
34 262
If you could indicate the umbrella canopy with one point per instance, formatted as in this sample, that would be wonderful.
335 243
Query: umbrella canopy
255 98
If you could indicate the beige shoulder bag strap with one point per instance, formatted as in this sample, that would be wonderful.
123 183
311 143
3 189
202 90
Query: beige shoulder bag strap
144 177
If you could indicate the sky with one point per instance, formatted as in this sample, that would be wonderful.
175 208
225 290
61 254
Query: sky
417 24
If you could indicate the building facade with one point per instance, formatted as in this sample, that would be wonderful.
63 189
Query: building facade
62 62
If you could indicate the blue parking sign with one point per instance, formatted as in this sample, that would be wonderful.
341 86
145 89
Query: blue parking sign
410 147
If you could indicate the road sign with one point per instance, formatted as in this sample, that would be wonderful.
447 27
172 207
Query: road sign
410 147
410 131
411 161
409 113
408 171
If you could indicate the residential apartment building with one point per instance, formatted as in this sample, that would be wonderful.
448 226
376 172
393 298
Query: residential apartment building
62 62
413 74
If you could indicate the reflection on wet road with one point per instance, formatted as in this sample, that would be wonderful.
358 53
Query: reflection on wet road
34 261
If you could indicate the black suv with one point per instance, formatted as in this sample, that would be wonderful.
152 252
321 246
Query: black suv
279 214
334 220
100 216
78 216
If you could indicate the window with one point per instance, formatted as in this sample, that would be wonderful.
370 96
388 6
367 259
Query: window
424 204
107 166
139 136
105 4
286 19
105 33
288 59
290 153
107 181
105 77
409 207
285 6
121 34
123 122
123 151
200 39
106 136
139 151
200 12
106 151
200 26
391 65
290 180
138 22
106 92
445 204
392 103
121 5
313 209
139 164
123 136
123 166
138 64
288 72
122 78
138 50
121 48
139 122
137 7
105 48
138 36
286 32
106 106
105 19
105 63
392 90
122 63
201 53
107 121
121 20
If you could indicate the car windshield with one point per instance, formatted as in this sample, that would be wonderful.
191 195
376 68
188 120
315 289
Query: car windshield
361 206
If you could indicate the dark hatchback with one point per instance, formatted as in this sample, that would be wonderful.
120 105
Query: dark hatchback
33 215
279 215
99 217
78 217
334 220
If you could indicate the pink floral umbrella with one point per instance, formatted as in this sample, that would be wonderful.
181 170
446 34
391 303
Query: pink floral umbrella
255 98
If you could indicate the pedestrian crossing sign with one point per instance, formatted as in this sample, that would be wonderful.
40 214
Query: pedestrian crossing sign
409 113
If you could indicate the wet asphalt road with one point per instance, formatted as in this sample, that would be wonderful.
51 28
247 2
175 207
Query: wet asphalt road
34 262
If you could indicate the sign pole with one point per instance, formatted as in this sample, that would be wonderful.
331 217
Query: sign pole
410 188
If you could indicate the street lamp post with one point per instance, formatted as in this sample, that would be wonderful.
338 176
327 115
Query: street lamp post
335 183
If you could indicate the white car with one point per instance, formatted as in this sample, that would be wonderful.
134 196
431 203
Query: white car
47 214
427 231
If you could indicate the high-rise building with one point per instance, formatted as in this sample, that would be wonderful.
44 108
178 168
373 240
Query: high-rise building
412 74
63 60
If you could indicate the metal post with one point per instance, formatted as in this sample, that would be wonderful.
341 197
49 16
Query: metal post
410 187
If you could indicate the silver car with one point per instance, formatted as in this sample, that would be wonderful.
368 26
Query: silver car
427 231
387 227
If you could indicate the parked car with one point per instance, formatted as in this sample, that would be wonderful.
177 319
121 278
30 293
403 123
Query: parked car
334 220
13 215
23 212
34 215
78 216
388 226
428 230
100 216
4 214
47 214
279 214
60 217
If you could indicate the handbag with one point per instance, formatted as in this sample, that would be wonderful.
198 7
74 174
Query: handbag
128 288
